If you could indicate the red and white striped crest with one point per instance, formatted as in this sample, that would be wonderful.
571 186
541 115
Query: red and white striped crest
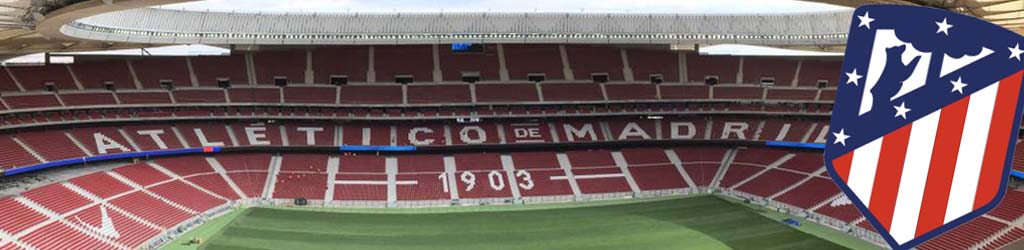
925 120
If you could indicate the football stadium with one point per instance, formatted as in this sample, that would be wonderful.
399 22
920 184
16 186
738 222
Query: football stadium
247 124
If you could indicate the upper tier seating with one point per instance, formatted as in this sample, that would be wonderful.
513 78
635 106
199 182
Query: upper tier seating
526 59
589 59
153 71
646 62
571 92
273 64
32 101
36 77
724 67
501 93
348 61
88 98
371 94
412 60
96 74
454 64
456 93
208 69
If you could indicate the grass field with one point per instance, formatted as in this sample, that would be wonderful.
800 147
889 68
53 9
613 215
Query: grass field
704 222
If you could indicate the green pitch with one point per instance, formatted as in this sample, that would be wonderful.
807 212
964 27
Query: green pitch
704 222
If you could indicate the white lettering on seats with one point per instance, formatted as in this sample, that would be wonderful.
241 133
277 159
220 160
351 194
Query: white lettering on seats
738 128
256 135
155 136
481 135
691 130
205 142
633 129
572 133
310 134
104 143
822 135
414 139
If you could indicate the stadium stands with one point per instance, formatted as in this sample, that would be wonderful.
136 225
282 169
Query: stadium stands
272 65
209 69
523 60
392 61
586 60
683 136
648 62
165 201
486 93
88 98
37 77
456 65
349 61
154 72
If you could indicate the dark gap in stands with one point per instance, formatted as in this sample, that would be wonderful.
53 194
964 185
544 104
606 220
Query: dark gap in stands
471 76
167 84
711 80
657 78
224 82
109 85
339 80
536 77
280 81
599 77
404 79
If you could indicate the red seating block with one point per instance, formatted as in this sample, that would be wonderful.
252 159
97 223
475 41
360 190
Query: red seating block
209 68
18 216
101 184
88 99
142 174
35 77
151 209
57 198
188 196
521 92
300 185
349 61
43 238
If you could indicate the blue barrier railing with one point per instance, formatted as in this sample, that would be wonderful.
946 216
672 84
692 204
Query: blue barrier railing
99 158
83 160
378 148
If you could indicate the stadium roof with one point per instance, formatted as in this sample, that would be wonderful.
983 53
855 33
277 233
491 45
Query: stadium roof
1008 13
31 26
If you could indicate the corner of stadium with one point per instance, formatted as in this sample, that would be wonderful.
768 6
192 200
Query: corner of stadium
433 130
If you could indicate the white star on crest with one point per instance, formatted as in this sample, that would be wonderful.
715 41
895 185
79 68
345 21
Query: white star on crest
853 77
865 20
901 110
1016 51
841 137
958 85
943 27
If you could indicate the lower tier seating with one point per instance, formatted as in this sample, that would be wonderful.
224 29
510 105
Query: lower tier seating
146 199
